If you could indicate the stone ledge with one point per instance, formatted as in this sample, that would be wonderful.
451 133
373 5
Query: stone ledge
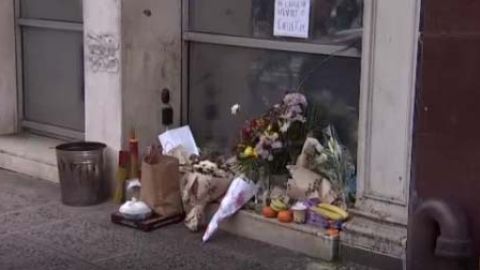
360 259
30 154
305 239
374 236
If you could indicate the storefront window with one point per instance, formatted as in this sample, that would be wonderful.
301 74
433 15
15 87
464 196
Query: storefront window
58 10
233 58
332 21
221 76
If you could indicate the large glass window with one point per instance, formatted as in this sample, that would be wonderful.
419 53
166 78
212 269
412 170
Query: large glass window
233 58
57 10
53 77
330 20
50 57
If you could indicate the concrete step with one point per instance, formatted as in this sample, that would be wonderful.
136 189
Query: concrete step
374 242
305 239
30 154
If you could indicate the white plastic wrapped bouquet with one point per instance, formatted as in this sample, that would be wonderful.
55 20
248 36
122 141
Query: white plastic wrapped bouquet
241 190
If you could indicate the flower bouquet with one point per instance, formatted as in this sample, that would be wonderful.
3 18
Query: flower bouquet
238 194
270 142
333 161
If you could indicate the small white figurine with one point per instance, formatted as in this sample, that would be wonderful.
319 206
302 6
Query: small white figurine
135 210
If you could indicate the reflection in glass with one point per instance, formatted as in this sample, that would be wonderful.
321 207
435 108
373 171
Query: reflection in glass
53 77
58 10
221 76
332 21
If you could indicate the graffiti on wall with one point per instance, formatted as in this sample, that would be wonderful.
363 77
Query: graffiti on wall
103 53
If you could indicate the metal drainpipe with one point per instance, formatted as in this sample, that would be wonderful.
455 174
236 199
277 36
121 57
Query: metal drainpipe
439 238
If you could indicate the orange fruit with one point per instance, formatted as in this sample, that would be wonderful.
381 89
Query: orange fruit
285 216
268 212
333 232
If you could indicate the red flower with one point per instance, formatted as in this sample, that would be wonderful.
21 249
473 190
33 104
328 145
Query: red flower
246 133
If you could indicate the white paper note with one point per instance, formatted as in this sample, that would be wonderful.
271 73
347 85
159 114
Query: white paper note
179 136
292 18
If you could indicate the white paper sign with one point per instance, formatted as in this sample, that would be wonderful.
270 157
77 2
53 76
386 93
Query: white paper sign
179 136
292 18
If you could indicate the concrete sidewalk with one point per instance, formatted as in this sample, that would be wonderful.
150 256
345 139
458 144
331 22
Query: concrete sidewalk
38 232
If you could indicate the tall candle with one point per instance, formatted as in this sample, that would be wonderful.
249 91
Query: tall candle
134 157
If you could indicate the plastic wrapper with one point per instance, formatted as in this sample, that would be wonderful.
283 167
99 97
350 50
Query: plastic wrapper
238 194
312 217
201 183
198 190
306 184
316 219
334 162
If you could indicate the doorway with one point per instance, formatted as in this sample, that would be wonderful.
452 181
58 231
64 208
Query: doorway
50 67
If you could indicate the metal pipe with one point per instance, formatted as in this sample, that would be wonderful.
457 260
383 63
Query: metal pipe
439 238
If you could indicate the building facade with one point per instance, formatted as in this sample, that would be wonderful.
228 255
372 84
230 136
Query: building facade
122 54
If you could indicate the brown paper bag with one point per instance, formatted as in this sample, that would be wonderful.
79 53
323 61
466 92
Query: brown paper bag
161 186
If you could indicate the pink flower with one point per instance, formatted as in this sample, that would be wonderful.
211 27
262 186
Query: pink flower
277 145
293 99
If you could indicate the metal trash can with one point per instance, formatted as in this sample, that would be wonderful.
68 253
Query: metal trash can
81 172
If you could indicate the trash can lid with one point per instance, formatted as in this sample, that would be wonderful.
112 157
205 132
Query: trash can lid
81 146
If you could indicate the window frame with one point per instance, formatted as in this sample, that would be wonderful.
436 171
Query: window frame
22 123
189 36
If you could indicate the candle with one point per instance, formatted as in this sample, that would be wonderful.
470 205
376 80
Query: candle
134 160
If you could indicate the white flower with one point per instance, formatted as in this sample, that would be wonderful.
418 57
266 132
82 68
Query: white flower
272 136
293 99
322 158
334 148
277 145
285 126
235 109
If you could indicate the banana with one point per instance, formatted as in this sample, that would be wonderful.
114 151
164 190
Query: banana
275 208
335 209
276 202
278 205
328 214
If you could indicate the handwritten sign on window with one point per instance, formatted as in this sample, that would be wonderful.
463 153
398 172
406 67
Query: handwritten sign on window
292 18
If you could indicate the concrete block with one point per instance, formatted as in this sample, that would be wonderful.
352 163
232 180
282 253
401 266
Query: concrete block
305 239
29 154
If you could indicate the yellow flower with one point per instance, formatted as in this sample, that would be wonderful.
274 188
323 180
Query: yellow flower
249 152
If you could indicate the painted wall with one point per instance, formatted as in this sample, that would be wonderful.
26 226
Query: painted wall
132 52
8 87
151 61
389 58
447 139
103 95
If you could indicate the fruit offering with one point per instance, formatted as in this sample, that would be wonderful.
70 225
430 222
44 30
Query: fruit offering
333 232
268 212
285 216
331 212
278 205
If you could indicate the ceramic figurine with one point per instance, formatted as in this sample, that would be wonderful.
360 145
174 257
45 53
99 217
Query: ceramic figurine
135 210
